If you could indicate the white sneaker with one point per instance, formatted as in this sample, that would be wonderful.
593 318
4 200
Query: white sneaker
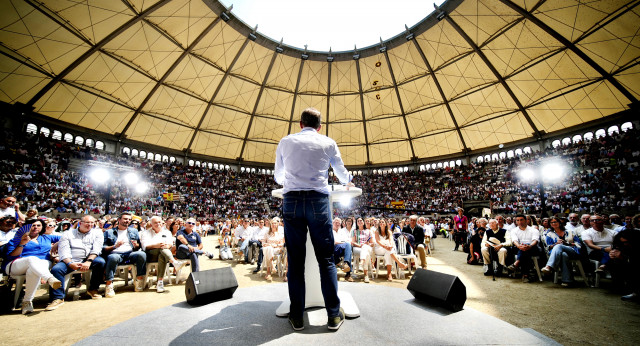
178 265
160 287
139 285
366 278
109 292
27 308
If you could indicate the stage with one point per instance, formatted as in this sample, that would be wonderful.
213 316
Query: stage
388 316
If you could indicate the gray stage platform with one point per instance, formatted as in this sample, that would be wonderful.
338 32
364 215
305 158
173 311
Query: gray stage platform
388 316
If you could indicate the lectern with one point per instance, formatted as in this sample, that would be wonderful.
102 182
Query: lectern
313 292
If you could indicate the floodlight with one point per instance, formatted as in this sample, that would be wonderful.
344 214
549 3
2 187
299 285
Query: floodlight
142 188
527 174
100 175
552 171
131 178
345 201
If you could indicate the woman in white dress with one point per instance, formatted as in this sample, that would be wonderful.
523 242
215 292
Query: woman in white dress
362 241
272 245
385 246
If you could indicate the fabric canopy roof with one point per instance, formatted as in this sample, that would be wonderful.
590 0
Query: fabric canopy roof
185 75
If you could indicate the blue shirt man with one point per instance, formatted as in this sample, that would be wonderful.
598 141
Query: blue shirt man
302 167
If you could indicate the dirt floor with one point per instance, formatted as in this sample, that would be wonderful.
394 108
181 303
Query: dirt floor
571 316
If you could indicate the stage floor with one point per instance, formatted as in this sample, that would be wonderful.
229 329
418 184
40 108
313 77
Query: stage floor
388 316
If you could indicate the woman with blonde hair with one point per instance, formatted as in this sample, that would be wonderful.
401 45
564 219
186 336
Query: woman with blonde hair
272 245
362 241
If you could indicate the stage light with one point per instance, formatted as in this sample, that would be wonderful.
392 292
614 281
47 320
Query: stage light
142 188
100 175
527 174
345 201
552 171
131 178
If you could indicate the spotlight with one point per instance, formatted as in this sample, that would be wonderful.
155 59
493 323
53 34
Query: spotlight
142 188
279 49
131 178
224 17
329 59
409 37
383 49
100 175
440 16
552 171
345 201
252 36
501 146
527 174
356 56
305 56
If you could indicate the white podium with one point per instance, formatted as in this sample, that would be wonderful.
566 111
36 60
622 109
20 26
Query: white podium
313 292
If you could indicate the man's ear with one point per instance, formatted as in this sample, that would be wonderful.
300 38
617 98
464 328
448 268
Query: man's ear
319 127
301 126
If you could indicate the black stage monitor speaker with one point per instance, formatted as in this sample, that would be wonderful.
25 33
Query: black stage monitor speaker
438 288
210 286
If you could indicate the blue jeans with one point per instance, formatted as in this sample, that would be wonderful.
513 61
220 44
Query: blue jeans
139 258
245 249
183 253
60 270
309 212
562 254
343 250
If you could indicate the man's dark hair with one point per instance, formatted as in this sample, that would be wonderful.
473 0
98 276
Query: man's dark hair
311 117
520 215
124 213
8 218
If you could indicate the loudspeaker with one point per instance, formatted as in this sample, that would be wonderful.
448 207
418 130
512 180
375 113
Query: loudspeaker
210 286
438 288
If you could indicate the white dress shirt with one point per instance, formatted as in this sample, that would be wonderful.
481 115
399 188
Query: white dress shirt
303 159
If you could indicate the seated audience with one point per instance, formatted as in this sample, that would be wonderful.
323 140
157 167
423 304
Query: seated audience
342 248
563 246
386 246
156 243
189 245
28 254
362 242
7 231
418 235
273 244
525 239
598 241
475 243
122 245
79 250
495 243
625 265
225 244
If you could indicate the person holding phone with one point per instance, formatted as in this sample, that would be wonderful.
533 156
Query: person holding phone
28 254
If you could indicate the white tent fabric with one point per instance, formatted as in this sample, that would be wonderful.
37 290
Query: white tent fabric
181 75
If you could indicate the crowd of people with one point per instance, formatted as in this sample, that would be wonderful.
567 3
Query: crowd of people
602 177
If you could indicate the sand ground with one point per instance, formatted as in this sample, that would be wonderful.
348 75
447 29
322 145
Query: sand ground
571 316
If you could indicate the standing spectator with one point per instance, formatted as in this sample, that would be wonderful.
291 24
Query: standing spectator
79 250
122 245
460 231
475 242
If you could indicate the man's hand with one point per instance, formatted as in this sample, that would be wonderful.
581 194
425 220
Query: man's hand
135 243
615 253
497 247
84 266
348 185
75 266
191 248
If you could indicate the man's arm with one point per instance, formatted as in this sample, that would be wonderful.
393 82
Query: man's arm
338 166
278 170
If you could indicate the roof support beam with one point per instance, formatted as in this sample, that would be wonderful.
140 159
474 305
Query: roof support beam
255 107
364 118
166 75
326 122
571 46
295 96
215 93
404 116
94 49
444 98
484 58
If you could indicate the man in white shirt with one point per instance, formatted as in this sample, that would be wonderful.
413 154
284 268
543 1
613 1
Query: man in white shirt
157 243
584 219
525 239
302 167
7 230
8 207
573 222
255 242
342 247
509 225
598 240
79 249
243 235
